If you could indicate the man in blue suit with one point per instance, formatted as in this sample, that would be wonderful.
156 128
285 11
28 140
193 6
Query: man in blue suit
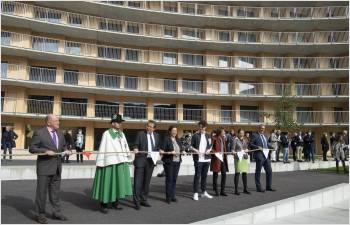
260 141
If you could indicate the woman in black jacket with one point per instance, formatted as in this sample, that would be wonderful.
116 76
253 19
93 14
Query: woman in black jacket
325 146
171 157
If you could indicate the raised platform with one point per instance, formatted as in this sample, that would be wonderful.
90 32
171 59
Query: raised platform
17 199
26 170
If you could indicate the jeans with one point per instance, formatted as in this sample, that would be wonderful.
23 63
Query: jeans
285 154
7 146
201 172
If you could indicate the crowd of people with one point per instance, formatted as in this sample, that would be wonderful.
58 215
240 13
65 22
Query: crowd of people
210 151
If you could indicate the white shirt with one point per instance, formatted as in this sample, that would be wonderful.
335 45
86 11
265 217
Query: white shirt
203 148
149 147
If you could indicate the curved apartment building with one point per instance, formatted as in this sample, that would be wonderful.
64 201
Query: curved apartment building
173 62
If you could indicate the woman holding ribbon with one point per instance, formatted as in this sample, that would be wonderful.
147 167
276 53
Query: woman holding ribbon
112 179
240 151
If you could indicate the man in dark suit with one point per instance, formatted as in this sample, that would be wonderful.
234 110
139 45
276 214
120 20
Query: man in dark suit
49 141
146 141
260 141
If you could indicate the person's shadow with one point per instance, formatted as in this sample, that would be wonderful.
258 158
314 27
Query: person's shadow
81 200
23 205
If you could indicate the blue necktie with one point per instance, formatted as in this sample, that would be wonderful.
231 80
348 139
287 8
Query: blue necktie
263 140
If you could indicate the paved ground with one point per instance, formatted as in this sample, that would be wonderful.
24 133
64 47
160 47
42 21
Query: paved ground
334 214
18 162
17 199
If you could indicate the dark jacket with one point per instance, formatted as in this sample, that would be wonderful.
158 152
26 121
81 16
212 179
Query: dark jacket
41 142
167 146
284 141
308 142
294 142
300 141
69 140
324 144
141 143
256 142
195 141
215 164
8 138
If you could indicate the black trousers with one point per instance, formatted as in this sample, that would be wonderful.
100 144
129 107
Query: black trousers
80 155
324 155
244 178
142 179
200 172
171 170
7 146
260 163
223 178
294 153
278 153
51 184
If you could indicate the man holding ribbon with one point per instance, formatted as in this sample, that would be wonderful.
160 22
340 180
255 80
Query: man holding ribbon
49 144
112 178
146 149
260 143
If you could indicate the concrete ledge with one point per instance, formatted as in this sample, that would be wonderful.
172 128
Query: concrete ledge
286 207
28 172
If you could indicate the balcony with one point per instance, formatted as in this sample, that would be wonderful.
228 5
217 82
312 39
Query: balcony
127 32
135 112
142 60
99 83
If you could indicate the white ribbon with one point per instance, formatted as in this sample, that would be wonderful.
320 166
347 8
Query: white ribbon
219 156
240 155
266 152
155 157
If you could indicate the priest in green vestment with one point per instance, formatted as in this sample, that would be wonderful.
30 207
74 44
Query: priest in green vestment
112 178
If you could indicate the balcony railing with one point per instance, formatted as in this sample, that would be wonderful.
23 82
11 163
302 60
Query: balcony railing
17 106
120 54
36 74
272 13
169 32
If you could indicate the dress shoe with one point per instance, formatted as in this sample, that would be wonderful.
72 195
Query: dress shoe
41 219
223 193
59 217
270 189
216 193
145 204
246 192
237 193
168 201
116 206
174 199
137 206
260 190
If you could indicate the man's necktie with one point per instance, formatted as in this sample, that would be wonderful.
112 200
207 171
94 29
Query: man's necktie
54 138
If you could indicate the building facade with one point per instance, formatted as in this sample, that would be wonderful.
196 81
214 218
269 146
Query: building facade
173 62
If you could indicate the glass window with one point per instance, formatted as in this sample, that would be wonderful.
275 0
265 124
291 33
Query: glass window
5 38
48 15
193 59
170 85
72 48
42 74
108 80
249 113
192 112
192 86
169 58
75 19
39 104
135 4
164 111
170 32
223 61
111 53
105 109
73 106
224 87
71 77
131 83
45 44
226 114
132 55
247 62
133 29
111 26
135 110
224 36
4 69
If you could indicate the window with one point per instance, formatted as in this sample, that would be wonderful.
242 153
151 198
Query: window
131 83
340 116
45 44
164 111
47 15
135 110
249 113
192 34
7 7
73 106
169 58
105 109
2 100
170 85
223 61
4 69
135 4
132 55
304 114
224 87
224 36
337 89
240 13
247 62
274 12
278 63
72 48
75 19
249 88
302 63
192 86
170 6
5 38
334 63
71 77
193 59
246 36
108 80
133 29
222 11
111 25
39 104
111 53
302 88
170 32
188 9
192 112
42 74
226 114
